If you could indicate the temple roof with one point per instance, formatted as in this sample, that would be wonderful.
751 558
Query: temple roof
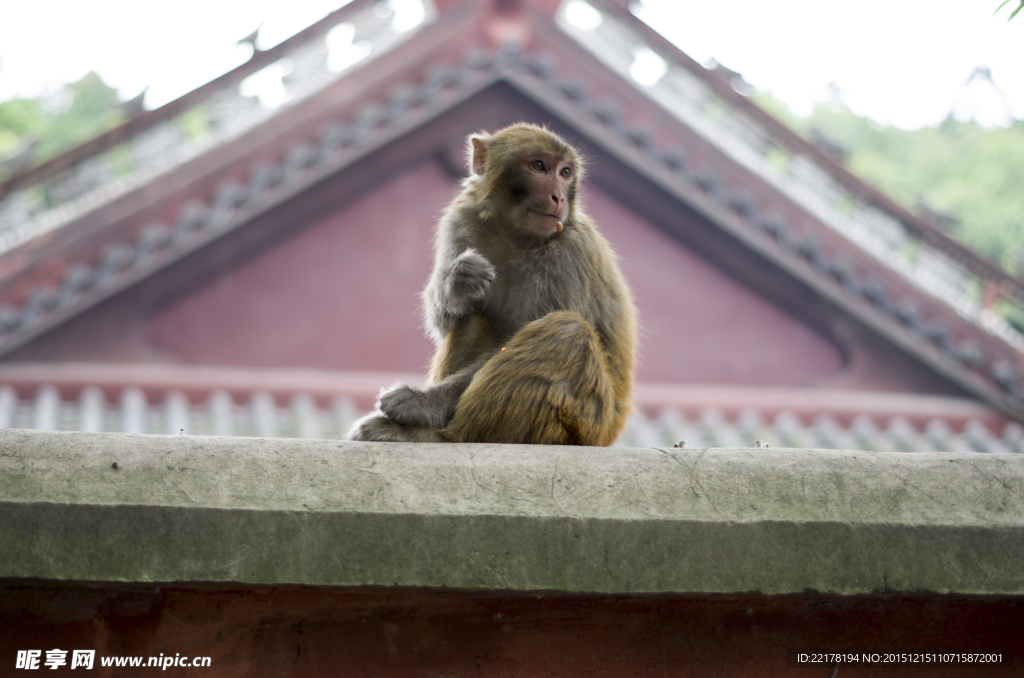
777 212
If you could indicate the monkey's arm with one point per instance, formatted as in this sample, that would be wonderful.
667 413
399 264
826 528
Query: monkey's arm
432 406
456 289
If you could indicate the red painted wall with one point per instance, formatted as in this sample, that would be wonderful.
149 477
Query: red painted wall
343 294
278 631
698 324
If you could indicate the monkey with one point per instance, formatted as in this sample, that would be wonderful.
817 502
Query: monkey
534 324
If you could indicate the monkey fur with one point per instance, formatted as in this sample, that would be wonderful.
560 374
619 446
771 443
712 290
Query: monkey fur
534 324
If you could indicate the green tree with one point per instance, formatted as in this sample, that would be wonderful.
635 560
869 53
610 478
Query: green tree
92 111
19 119
972 173
74 114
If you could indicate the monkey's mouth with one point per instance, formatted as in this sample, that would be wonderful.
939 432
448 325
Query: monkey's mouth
558 219
556 222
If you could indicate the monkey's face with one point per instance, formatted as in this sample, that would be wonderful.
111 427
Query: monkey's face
526 177
542 189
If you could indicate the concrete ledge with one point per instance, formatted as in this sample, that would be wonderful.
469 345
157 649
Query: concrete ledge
133 508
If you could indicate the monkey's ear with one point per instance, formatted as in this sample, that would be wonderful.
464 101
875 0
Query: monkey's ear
478 153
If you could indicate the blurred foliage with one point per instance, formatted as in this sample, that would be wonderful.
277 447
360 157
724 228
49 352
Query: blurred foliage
19 119
73 114
971 173
1020 6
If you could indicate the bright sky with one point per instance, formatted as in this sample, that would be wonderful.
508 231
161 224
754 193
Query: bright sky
902 62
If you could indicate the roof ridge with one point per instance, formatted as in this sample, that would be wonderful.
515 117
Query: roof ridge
930 234
130 128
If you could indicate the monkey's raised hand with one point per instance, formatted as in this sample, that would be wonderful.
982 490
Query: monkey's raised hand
457 290
468 280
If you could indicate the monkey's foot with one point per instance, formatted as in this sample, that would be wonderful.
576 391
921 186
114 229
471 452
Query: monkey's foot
376 427
412 407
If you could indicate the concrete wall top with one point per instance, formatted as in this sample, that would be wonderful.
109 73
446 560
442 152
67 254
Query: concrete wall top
143 508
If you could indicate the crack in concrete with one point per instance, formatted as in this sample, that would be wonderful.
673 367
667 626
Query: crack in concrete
994 477
554 477
910 484
641 487
692 473
492 491
175 482
476 481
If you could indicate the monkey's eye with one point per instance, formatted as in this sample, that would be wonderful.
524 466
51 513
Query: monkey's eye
537 165
566 172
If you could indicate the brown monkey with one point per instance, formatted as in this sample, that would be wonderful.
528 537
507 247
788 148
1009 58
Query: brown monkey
535 326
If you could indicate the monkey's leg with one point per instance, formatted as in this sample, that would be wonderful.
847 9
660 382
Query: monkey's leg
377 427
550 386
